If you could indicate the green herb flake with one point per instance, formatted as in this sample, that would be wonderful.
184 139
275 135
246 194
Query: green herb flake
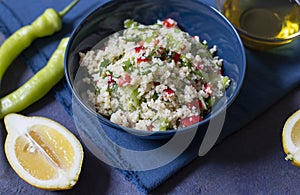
148 39
129 23
155 96
104 63
128 66
185 61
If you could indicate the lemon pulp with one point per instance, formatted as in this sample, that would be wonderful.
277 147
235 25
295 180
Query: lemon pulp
44 150
295 134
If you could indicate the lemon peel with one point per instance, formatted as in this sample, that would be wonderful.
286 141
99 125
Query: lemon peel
291 138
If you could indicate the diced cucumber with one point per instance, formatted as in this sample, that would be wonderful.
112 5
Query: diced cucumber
211 101
133 100
162 123
225 82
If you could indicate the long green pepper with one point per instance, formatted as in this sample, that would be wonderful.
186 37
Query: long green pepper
38 85
46 24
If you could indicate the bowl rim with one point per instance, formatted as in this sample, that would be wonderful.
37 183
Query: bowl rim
209 117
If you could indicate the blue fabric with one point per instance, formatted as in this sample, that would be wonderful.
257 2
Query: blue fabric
270 75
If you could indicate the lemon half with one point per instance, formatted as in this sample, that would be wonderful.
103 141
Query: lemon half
291 138
42 152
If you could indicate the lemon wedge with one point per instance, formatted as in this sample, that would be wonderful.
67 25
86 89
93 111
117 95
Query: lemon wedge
291 138
42 152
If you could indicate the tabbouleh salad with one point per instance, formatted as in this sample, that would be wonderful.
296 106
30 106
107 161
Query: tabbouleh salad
154 77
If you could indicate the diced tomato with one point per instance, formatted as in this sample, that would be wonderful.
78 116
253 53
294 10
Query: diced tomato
208 88
169 23
183 48
169 91
199 66
122 81
161 50
195 104
110 79
149 127
156 42
220 72
142 59
138 49
176 57
156 83
195 37
188 121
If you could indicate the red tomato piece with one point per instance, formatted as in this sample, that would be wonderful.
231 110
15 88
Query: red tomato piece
208 88
199 66
169 23
176 57
156 83
142 59
156 42
110 79
138 49
196 103
169 91
220 72
149 127
124 80
188 121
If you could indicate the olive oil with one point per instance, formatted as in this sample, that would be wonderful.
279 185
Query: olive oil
263 19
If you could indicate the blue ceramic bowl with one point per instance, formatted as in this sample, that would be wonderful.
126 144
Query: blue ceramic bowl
192 16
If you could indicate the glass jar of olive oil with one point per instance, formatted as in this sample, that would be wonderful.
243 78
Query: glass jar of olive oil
263 24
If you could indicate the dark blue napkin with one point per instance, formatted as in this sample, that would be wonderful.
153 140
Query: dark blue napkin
270 75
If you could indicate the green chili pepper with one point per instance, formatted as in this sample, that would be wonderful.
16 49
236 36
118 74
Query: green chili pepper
38 85
46 24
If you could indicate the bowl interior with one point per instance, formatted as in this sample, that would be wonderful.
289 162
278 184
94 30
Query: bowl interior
192 16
